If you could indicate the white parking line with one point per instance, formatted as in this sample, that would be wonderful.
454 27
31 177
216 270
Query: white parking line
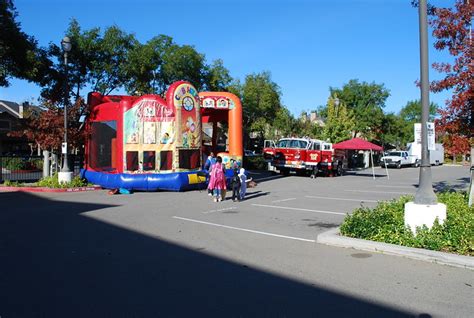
283 200
298 209
328 198
392 186
220 210
245 230
367 191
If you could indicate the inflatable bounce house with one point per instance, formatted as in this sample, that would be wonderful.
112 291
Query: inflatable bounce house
149 143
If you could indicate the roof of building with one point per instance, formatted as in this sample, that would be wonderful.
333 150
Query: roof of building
10 107
16 110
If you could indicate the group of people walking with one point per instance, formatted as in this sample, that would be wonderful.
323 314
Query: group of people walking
217 186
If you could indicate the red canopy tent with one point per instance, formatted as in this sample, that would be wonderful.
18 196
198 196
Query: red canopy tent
359 144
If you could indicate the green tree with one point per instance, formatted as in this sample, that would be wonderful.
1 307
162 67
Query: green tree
20 55
282 125
261 101
366 102
339 122
217 77
95 61
144 66
182 63
411 112
394 131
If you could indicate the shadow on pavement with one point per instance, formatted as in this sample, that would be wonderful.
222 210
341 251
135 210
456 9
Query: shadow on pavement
56 261
461 185
254 194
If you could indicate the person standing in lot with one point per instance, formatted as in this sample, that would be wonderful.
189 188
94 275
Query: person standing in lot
243 183
235 182
210 161
217 182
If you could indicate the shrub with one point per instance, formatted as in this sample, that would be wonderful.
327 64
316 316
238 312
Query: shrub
53 182
21 163
12 164
255 163
385 223
8 183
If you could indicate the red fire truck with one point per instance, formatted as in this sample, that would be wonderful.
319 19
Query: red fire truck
304 156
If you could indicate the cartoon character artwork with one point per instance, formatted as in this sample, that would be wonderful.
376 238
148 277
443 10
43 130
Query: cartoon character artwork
190 133
166 133
165 138
185 140
149 132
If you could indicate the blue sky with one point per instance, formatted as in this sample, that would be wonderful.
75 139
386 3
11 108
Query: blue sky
307 45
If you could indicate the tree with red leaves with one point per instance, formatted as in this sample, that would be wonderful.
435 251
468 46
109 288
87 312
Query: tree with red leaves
452 30
46 127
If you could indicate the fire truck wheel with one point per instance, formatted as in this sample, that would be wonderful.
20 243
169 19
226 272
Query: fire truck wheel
284 171
339 170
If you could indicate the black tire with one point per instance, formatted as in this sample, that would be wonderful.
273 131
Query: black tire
399 165
339 170
417 163
285 171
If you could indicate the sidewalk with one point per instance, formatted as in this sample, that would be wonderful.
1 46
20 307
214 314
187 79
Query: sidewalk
333 237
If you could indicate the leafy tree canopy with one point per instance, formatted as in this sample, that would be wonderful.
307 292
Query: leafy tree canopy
366 101
19 53
339 122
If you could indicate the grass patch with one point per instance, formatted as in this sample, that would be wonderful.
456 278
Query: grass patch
385 223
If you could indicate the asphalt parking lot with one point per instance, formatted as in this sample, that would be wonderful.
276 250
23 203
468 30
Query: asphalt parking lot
181 254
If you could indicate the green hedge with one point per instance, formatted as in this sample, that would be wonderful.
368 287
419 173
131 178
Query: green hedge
385 223
255 163
19 163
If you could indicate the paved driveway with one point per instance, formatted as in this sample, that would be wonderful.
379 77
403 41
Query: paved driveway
181 255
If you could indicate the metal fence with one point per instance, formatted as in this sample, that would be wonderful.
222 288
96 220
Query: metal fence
30 168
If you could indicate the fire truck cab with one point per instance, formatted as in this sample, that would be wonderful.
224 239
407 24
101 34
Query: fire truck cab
302 155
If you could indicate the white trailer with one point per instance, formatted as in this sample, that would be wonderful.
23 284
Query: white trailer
436 156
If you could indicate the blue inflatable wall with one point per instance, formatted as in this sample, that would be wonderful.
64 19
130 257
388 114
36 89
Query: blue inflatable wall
177 181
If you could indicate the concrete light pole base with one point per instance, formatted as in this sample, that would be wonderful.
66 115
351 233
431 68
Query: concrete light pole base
65 177
421 214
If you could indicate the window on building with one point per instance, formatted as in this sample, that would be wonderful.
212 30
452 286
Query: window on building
5 125
189 158
103 136
132 160
166 160
148 160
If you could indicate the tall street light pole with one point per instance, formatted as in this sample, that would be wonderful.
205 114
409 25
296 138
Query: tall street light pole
425 193
425 210
66 46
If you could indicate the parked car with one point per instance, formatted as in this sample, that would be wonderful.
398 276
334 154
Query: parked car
399 159
249 153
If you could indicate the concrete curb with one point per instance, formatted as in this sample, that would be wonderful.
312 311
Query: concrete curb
334 237
45 189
